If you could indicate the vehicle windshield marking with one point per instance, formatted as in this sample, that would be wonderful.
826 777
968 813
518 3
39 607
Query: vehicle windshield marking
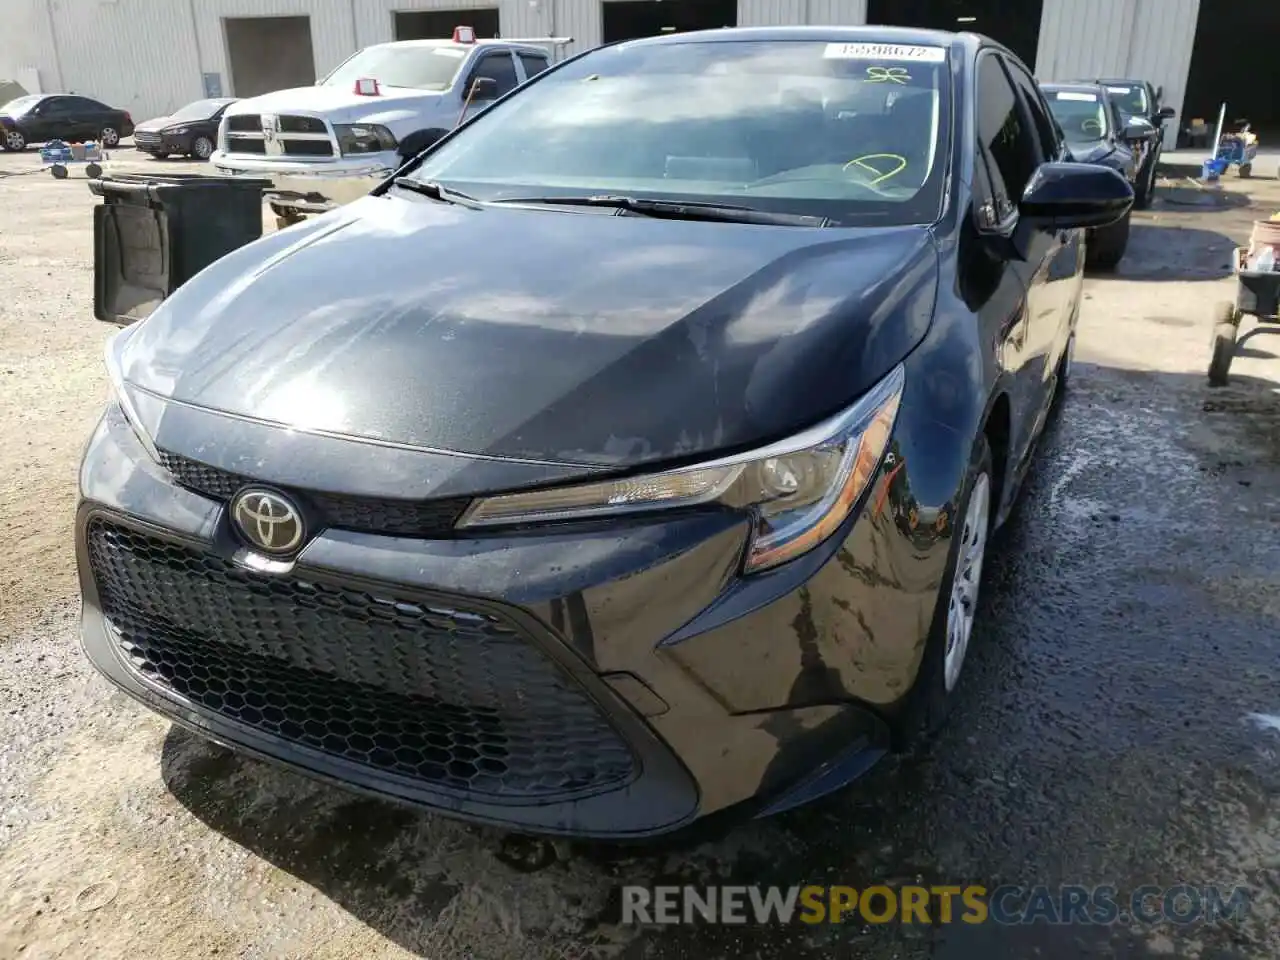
417 66
1082 116
842 132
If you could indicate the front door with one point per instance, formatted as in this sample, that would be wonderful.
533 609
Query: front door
500 69
1008 145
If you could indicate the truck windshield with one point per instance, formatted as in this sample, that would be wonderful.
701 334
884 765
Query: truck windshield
854 132
1081 115
418 66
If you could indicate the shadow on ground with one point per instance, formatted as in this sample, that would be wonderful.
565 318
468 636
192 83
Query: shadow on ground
1172 252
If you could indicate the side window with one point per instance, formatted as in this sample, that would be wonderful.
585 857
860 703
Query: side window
1041 118
501 69
533 64
56 107
85 105
1004 136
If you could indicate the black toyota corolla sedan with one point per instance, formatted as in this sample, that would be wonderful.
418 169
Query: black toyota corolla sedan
630 456
1096 132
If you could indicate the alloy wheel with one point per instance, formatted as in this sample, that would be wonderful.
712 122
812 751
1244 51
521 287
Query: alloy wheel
110 137
203 148
13 140
963 604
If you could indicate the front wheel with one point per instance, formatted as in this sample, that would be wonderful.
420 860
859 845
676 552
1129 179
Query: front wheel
14 140
110 136
1107 245
202 148
952 631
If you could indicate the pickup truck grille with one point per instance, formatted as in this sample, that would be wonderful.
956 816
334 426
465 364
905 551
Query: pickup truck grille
286 135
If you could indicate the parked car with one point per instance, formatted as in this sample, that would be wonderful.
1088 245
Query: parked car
330 143
191 131
1096 132
684 506
1140 100
37 118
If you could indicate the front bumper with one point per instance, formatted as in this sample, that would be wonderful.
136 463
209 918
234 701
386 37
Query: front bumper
641 638
311 186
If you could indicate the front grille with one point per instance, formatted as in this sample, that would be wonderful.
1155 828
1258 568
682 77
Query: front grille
302 125
454 697
403 518
245 145
146 138
249 122
307 148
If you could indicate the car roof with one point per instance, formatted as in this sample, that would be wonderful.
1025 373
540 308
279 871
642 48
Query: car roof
447 42
1073 86
957 42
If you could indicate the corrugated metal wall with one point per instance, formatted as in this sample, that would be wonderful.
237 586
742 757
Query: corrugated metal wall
148 55
1151 39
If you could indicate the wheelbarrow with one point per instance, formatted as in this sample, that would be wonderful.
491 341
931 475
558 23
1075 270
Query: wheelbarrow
57 156
1257 295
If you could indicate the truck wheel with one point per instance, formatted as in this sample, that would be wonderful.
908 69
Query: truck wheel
416 142
1106 246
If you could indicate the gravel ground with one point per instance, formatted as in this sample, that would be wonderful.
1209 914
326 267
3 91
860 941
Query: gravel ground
1103 733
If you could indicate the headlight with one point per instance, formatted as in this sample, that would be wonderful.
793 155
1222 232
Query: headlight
364 138
178 130
115 347
799 491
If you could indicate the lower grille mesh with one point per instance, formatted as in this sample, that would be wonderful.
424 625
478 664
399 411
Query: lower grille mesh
455 698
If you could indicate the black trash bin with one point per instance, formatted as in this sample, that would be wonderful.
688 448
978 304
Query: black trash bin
153 233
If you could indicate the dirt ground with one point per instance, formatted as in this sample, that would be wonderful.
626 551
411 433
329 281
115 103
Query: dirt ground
122 837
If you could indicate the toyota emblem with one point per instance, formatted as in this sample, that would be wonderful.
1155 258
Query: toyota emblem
267 521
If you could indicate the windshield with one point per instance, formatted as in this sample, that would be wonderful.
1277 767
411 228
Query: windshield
1082 116
1130 98
200 110
21 105
851 132
418 66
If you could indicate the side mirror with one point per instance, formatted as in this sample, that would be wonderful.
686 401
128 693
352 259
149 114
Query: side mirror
483 88
1068 196
1136 130
1166 113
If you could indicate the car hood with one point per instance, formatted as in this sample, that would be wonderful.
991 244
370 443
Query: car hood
156 125
559 337
1092 151
339 104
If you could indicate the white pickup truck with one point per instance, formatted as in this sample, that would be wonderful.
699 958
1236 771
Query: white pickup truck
328 144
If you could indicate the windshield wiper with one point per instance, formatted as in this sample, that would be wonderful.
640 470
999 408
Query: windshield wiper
437 192
679 210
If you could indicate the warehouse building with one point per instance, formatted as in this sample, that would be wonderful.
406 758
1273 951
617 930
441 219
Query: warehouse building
152 56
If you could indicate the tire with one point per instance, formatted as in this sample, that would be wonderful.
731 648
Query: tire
59 171
92 171
14 141
416 142
1107 245
1142 199
933 693
1246 171
110 136
201 148
1222 343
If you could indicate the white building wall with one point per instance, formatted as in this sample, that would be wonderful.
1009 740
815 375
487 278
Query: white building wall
148 56
1151 39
